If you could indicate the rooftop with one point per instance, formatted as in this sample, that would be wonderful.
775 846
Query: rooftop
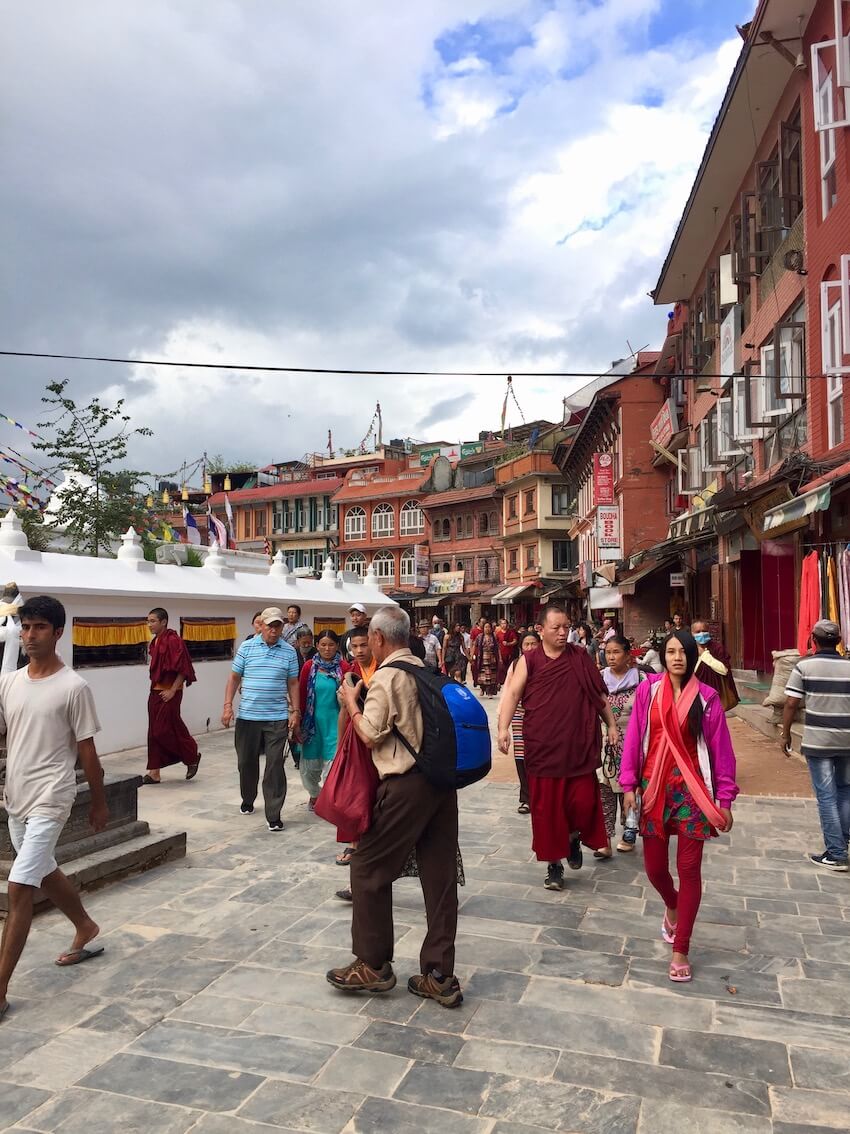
282 491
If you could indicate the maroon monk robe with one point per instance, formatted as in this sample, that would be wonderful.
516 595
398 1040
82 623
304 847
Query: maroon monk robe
169 741
563 700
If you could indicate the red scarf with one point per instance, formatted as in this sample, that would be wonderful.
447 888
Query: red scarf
674 720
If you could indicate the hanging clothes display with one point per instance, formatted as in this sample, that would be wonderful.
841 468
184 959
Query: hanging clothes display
833 609
810 600
844 594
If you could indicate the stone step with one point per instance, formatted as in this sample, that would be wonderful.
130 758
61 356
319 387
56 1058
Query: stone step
112 836
91 871
764 720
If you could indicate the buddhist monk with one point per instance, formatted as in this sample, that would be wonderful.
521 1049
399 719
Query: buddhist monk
169 741
564 698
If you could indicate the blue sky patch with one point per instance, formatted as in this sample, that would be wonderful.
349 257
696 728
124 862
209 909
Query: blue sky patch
492 41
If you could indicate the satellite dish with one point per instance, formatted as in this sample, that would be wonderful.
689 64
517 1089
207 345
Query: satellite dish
441 474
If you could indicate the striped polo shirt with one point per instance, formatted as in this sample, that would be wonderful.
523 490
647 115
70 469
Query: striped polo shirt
824 680
265 672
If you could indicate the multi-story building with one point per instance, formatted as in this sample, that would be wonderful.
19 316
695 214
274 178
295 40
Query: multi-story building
761 263
381 524
538 553
621 504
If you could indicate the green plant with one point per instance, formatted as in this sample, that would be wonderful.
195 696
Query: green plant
193 559
32 522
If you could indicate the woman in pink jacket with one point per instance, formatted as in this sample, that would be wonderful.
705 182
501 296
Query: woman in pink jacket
678 754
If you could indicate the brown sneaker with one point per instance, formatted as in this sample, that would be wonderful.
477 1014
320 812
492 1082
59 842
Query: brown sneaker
359 977
446 991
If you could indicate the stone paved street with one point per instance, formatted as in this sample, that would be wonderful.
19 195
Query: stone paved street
209 1010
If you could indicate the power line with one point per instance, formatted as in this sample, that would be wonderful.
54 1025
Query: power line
364 373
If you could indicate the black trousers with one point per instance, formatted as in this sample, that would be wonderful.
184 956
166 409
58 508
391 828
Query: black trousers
409 813
252 738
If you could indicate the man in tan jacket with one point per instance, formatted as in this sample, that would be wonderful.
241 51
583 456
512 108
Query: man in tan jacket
410 813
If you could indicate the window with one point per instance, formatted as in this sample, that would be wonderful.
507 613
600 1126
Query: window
468 525
442 529
459 565
782 366
529 502
564 555
277 518
835 408
412 518
530 556
791 168
512 560
299 515
561 503
260 522
833 364
825 105
109 641
383 563
356 562
355 524
770 219
483 524
746 408
726 443
709 458
209 639
690 472
407 572
383 521
459 526
312 514
483 571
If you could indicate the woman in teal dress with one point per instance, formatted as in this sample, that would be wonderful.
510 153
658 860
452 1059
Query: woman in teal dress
320 679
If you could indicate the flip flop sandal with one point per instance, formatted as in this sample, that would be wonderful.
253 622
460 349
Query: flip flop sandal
602 854
192 771
625 848
523 809
150 780
344 859
668 930
77 956
680 973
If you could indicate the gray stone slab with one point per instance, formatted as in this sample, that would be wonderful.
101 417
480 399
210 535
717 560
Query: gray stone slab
380 1116
489 984
230 1124
582 939
531 913
826 970
273 986
833 949
812 1108
17 1101
519 1060
821 1070
453 1087
771 905
164 1080
713 983
15 1043
758 1060
222 1011
558 1106
134 1015
303 1023
410 1043
756 1022
661 1116
694 1088
825 997
638 1006
268 1055
797 1128
781 942
301 1107
78 1111
579 964
363 1072
593 1035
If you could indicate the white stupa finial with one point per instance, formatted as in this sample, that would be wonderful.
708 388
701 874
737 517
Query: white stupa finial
214 558
131 547
371 579
12 532
328 572
279 566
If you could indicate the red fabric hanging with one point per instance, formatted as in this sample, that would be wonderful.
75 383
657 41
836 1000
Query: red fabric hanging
810 601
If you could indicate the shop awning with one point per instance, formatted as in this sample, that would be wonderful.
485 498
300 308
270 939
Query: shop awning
431 600
692 523
508 594
795 511
627 582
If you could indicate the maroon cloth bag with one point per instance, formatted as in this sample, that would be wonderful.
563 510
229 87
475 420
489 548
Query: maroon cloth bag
347 798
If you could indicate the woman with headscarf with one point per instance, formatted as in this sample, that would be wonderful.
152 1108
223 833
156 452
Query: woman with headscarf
487 661
320 679
678 754
622 678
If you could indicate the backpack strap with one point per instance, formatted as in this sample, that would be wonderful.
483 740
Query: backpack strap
395 731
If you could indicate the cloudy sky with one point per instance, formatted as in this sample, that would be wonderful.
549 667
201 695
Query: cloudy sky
445 185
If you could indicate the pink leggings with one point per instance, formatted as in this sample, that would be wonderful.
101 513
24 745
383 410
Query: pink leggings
688 866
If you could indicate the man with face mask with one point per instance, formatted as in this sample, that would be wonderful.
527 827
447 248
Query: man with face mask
714 667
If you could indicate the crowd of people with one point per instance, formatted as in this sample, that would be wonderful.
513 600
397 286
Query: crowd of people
603 736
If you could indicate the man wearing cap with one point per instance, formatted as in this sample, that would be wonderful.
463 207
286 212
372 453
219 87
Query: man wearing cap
823 678
359 618
267 670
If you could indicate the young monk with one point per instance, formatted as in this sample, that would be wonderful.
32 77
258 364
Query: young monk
679 754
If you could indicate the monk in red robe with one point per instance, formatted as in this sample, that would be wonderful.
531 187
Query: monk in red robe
564 698
169 741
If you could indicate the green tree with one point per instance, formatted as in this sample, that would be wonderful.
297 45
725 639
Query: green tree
218 464
91 441
32 522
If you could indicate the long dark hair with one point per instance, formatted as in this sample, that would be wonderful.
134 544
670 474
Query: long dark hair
689 645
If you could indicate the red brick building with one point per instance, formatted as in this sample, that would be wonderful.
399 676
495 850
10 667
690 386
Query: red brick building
465 543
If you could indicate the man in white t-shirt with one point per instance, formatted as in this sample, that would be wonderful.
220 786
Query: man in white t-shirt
47 713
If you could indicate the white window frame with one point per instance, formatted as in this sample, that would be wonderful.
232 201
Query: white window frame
379 565
412 519
383 521
834 337
835 409
356 562
726 443
824 111
743 432
690 471
407 566
827 149
771 406
707 426
355 523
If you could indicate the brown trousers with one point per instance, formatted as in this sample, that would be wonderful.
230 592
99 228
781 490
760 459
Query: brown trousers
409 813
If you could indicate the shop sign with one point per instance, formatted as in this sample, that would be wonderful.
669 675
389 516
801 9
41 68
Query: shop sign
608 526
471 448
603 478
421 564
665 423
446 583
428 452
754 514
730 342
677 579
585 574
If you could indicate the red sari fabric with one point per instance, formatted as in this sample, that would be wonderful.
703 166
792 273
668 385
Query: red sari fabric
169 741
810 602
563 701
561 808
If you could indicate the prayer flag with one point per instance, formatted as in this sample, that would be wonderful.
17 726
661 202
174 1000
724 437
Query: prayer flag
216 529
230 524
192 533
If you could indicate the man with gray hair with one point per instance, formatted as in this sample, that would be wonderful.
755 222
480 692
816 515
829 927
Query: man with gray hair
823 678
410 813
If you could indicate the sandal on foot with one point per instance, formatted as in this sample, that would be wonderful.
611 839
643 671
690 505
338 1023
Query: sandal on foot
150 780
668 930
625 848
77 956
192 771
680 972
523 809
344 857
603 853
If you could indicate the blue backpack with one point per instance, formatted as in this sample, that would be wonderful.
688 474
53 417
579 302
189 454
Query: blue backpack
455 731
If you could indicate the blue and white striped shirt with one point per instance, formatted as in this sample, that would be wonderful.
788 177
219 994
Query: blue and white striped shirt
265 672
824 680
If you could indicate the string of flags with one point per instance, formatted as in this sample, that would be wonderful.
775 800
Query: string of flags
20 425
